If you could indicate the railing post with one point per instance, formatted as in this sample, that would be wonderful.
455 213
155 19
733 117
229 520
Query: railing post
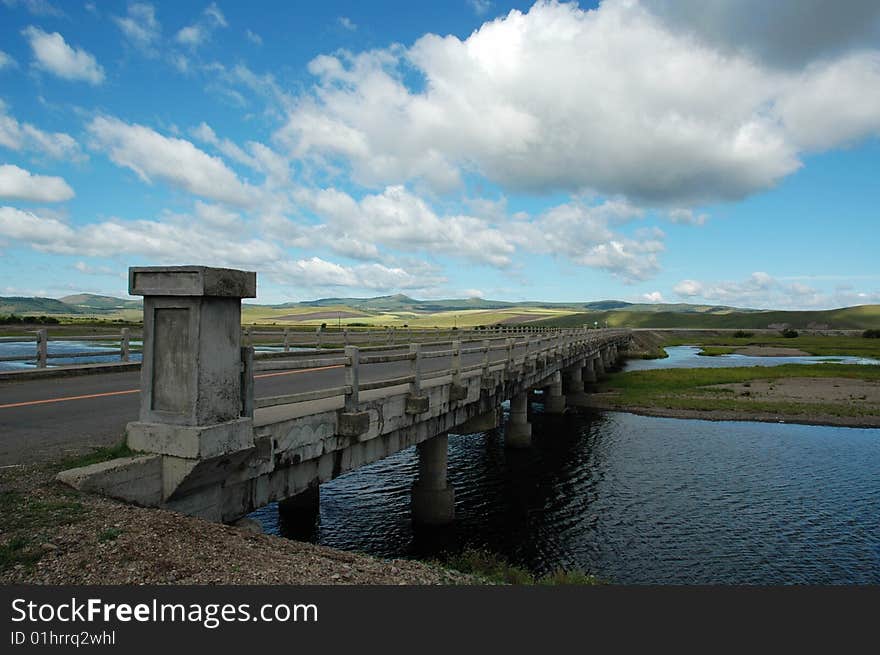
456 362
415 369
42 347
247 381
485 357
345 336
124 345
319 335
510 343
388 335
352 377
287 340
247 337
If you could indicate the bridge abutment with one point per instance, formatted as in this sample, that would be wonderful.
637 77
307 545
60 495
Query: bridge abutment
433 500
518 433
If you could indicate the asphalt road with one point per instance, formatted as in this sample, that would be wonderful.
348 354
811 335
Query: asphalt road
50 419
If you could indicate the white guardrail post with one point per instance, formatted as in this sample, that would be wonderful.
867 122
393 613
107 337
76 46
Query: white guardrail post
42 347
415 369
247 381
286 340
352 378
124 345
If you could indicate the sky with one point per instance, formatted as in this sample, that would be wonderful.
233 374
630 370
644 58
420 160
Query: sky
653 151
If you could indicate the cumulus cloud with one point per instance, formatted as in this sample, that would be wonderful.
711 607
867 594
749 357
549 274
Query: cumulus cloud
205 237
53 55
140 26
687 217
480 7
347 23
200 32
399 219
26 137
18 184
613 100
761 290
787 33
36 7
6 61
176 161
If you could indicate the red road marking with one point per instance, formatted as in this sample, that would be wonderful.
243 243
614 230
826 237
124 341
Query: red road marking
29 403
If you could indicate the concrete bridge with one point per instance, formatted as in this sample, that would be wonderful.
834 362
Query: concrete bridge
211 449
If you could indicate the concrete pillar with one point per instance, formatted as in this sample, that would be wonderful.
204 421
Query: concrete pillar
433 500
588 374
301 508
191 404
574 384
518 433
298 515
554 401
599 365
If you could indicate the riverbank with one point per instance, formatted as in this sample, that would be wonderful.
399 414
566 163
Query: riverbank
50 534
822 394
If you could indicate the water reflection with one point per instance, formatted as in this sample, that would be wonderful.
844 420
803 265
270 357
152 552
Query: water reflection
637 500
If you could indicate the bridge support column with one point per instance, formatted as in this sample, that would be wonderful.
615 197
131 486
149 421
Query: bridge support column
301 511
599 365
433 500
518 433
574 383
554 401
589 372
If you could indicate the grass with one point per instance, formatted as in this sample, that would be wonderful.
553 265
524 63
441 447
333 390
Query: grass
27 521
494 568
110 534
811 343
691 388
100 455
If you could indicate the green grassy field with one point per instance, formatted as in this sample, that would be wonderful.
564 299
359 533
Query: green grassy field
809 343
697 389
850 318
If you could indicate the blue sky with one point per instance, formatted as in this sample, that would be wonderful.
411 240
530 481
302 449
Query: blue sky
675 152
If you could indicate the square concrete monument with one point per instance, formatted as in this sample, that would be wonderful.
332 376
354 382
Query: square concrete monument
191 374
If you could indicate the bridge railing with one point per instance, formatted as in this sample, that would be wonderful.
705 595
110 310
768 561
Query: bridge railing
123 344
537 346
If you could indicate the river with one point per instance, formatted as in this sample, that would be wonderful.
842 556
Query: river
636 499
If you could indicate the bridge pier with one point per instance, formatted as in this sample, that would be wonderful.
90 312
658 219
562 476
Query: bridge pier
518 433
554 401
599 364
300 512
574 383
433 500
589 372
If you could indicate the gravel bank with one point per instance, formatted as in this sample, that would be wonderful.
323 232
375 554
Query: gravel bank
52 535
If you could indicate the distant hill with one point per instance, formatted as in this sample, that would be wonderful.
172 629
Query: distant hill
37 306
849 318
90 301
84 303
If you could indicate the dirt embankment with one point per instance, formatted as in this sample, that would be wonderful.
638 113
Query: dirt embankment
52 535
771 351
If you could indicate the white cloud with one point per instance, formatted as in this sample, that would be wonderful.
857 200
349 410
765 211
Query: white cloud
613 101
88 269
199 238
53 55
200 32
396 218
140 26
347 24
6 61
761 290
480 7
687 217
653 297
253 37
24 136
36 7
786 33
176 161
18 184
